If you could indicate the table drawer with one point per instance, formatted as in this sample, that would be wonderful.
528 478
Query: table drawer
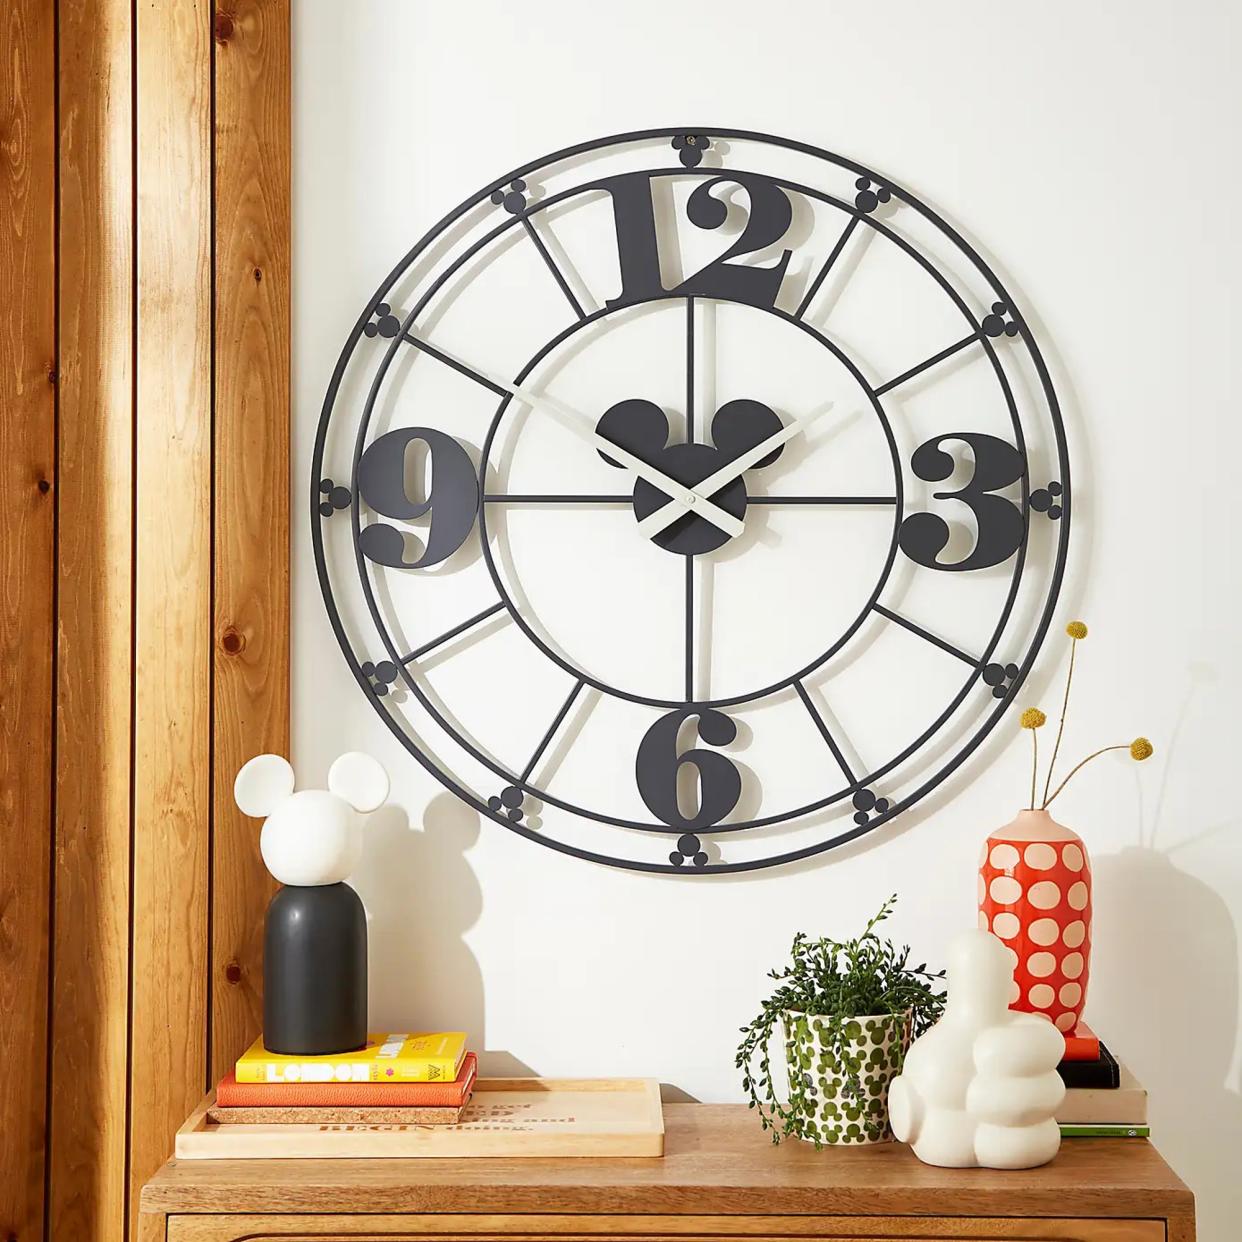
362 1228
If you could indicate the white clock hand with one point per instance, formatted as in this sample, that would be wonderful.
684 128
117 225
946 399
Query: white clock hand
683 498
665 515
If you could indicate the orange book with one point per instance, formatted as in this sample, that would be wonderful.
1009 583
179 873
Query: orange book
233 1094
1082 1044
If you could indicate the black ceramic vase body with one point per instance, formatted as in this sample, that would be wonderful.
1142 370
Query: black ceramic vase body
315 971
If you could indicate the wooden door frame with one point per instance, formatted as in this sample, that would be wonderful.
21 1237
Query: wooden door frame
144 574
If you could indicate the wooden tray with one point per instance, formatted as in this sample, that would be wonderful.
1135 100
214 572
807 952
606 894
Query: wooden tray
506 1117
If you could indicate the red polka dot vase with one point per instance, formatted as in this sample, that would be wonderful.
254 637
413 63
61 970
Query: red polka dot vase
1035 896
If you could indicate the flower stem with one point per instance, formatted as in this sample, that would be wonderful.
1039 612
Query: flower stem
1069 681
1094 755
1034 763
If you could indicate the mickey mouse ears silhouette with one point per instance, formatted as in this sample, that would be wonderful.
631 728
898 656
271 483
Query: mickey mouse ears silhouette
642 427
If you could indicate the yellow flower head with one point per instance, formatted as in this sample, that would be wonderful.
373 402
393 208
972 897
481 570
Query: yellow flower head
1141 749
1033 718
1076 630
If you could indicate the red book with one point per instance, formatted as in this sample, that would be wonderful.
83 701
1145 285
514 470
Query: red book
1081 1044
233 1094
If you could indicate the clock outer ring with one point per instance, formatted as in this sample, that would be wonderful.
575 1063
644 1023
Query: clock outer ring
961 755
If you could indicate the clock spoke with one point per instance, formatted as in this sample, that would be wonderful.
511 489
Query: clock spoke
460 367
928 363
825 732
689 629
846 233
868 808
516 498
936 641
545 741
451 634
821 500
553 267
690 370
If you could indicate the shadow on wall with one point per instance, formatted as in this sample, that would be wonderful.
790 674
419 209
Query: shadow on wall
422 897
1165 965
1167 968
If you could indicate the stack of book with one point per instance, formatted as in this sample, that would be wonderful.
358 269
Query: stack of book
418 1079
1102 1098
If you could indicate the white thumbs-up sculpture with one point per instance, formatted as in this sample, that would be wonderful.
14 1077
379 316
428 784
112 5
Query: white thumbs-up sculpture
981 1087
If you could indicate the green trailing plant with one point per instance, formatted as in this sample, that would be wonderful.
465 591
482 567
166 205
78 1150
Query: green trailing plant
836 980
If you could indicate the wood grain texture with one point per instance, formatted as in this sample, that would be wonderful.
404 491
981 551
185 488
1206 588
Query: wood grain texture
172 601
90 1005
764 1228
716 1161
152 1229
27 569
1181 1226
251 622
108 562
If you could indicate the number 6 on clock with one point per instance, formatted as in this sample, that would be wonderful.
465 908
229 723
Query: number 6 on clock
658 766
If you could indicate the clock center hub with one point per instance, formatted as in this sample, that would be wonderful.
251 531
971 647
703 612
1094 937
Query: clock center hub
691 533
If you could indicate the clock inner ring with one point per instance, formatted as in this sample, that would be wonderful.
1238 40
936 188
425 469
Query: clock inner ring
798 474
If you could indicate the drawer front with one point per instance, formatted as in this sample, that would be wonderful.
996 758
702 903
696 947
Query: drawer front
360 1228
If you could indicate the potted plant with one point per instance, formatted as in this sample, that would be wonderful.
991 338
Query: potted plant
847 1012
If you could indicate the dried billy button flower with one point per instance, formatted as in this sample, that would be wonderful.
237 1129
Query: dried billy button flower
1033 719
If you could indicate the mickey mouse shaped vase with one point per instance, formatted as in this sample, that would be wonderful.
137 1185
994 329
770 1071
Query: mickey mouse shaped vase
981 1087
315 935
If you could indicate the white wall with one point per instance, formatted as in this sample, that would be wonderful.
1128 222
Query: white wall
1091 150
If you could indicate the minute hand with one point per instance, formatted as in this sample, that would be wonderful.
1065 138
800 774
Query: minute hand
684 499
667 514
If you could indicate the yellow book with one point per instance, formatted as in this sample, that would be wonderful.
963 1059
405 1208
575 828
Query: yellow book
421 1057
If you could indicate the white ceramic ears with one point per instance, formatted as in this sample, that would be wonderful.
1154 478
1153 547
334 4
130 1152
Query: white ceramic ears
358 779
263 784
267 780
313 836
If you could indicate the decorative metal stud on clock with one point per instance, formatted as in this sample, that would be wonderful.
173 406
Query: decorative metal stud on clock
691 500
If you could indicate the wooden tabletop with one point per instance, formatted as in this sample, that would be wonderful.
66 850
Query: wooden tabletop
717 1160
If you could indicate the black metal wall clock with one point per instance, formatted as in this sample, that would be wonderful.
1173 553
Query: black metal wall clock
691 500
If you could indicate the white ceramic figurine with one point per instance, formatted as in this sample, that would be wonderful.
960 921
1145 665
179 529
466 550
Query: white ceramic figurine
315 934
981 1087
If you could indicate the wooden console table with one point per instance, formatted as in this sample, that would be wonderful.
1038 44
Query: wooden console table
720 1178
